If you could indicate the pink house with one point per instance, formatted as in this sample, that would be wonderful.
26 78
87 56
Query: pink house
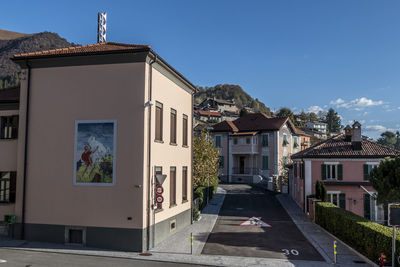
343 164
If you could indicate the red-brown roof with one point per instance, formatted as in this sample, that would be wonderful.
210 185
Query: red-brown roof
9 95
225 126
259 121
337 147
85 50
208 113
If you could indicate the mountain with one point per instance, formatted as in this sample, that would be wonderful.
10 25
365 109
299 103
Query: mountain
229 92
14 43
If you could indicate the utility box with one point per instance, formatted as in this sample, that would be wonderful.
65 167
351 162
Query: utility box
394 214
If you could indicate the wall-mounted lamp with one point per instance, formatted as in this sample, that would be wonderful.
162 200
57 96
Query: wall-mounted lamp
148 103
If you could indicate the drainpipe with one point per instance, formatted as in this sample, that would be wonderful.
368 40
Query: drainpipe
228 157
25 152
149 207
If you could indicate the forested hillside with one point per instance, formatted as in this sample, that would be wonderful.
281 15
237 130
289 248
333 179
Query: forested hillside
229 92
22 43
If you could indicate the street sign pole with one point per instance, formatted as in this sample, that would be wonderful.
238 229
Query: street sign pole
394 246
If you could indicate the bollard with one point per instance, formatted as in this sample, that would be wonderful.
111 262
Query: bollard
191 243
334 251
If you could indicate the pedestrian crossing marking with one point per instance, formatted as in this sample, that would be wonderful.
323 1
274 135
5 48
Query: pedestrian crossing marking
254 222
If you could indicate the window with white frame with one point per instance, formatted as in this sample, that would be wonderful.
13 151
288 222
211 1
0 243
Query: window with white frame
331 171
333 197
255 140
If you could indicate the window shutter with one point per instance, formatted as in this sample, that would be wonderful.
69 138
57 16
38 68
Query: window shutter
13 186
14 131
265 162
340 171
366 174
367 206
323 171
342 201
218 141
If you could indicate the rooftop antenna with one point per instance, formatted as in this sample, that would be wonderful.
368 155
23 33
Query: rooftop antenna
101 27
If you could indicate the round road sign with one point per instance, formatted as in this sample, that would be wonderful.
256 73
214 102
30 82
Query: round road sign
159 189
159 199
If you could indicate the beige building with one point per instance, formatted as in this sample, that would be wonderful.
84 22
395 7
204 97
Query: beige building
255 147
97 126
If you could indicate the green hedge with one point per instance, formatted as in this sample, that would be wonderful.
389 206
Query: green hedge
201 193
368 238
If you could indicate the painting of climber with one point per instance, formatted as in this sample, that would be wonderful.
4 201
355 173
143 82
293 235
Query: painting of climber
95 152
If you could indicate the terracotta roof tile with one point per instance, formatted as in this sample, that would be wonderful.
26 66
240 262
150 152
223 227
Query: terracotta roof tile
337 147
244 133
225 126
208 113
84 49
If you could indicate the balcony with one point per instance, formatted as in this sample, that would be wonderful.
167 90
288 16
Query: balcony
245 149
245 171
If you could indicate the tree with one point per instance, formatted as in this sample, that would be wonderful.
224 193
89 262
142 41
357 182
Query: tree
388 139
205 161
312 117
385 179
320 191
243 112
285 112
333 121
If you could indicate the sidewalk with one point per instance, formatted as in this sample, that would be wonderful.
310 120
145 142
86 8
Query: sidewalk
320 238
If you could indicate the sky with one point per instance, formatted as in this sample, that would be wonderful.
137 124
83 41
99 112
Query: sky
304 55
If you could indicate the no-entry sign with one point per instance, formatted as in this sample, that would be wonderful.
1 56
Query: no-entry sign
159 189
159 199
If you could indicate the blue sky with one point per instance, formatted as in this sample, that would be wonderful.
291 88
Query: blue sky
308 55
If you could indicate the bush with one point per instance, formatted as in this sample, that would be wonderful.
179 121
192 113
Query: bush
368 238
201 193
196 213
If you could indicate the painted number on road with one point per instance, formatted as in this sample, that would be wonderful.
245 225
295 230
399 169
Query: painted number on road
287 252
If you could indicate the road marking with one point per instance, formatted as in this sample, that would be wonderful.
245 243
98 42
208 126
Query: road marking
292 251
254 222
3 261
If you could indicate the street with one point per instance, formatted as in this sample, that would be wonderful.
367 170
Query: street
16 257
270 233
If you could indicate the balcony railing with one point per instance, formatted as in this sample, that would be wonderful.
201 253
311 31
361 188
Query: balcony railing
249 171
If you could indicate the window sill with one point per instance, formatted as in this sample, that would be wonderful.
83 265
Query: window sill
186 146
173 205
173 144
159 141
5 203
185 201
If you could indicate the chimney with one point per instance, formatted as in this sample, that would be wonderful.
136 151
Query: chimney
347 133
356 136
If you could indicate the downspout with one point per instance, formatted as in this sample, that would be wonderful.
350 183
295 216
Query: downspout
303 174
149 207
191 149
25 152
228 158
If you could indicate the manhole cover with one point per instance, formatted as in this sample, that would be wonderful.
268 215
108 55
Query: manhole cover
145 254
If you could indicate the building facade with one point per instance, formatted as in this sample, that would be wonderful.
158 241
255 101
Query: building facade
95 125
343 164
255 147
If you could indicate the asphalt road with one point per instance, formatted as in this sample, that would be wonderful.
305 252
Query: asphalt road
282 240
16 257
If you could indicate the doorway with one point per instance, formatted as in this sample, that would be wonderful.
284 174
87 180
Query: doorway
241 165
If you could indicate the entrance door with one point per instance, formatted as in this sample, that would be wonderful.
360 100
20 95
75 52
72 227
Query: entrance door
241 164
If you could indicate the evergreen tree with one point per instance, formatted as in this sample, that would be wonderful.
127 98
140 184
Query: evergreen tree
333 121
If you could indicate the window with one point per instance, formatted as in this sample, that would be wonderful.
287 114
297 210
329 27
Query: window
265 162
255 140
184 184
158 170
285 142
367 170
8 186
331 171
248 140
159 121
221 162
295 143
265 140
217 141
9 127
338 199
185 130
172 186
173 127
235 141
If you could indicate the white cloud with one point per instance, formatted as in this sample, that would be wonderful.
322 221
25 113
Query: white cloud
356 104
337 101
365 113
315 109
376 128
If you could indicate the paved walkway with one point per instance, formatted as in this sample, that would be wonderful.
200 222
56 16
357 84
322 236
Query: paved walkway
319 237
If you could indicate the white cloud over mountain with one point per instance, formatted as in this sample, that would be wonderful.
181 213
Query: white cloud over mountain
356 104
